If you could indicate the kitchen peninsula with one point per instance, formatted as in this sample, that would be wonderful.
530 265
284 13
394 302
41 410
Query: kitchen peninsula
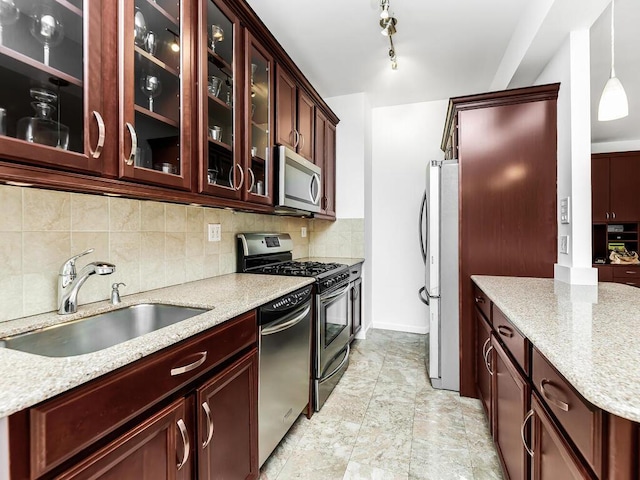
572 353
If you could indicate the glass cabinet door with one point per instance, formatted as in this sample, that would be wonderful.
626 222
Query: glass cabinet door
221 173
259 114
156 91
51 108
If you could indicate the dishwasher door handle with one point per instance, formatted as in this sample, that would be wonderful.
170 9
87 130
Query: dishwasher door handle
280 326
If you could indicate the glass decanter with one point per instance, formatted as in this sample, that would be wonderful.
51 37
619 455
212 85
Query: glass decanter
42 128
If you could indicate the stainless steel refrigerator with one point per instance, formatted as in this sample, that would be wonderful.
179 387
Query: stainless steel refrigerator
439 245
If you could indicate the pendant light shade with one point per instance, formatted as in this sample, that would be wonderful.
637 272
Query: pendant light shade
613 102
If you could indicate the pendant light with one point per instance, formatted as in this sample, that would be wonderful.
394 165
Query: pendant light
613 102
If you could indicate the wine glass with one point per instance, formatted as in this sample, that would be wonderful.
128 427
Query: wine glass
139 28
217 35
46 28
9 14
151 87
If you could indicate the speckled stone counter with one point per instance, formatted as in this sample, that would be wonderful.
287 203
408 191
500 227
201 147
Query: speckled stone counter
590 334
347 261
27 379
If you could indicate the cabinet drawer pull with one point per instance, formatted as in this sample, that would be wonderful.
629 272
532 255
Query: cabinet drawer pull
253 180
134 144
607 215
207 412
486 342
505 331
101 135
613 215
191 366
479 300
486 360
185 442
553 401
631 272
524 424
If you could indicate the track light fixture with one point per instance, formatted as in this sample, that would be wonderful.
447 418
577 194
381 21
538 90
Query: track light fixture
388 25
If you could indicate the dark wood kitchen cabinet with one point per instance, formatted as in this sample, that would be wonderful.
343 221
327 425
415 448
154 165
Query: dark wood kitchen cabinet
325 158
295 113
152 408
511 393
485 363
506 149
52 98
227 423
614 194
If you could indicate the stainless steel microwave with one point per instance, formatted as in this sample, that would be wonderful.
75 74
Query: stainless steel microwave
299 182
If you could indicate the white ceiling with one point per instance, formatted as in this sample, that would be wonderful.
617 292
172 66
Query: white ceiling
449 48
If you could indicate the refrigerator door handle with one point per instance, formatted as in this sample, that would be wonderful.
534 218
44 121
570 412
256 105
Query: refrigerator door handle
423 234
423 298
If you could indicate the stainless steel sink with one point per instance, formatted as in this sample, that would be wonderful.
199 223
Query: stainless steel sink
94 333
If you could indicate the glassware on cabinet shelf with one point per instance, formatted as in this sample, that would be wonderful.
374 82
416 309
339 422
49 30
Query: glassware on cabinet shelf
3 121
217 35
214 85
139 28
46 28
151 43
42 128
254 67
151 87
9 14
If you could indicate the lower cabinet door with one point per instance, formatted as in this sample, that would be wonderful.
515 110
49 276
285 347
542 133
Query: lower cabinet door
157 449
484 364
512 393
553 458
227 433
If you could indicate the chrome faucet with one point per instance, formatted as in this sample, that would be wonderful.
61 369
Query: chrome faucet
69 282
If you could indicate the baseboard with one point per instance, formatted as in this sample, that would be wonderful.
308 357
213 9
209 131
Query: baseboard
422 330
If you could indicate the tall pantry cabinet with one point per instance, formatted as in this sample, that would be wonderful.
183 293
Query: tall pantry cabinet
505 143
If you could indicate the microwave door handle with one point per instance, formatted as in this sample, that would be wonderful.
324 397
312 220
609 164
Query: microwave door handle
314 178
423 209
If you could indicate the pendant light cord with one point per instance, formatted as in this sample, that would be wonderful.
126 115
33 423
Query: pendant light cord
613 69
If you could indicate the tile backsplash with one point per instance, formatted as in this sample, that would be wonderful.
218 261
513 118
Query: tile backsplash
152 244
342 238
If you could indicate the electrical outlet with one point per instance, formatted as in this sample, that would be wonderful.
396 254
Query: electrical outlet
303 232
565 210
564 244
213 230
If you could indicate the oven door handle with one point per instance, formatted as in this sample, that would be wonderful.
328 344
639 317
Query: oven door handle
335 294
344 360
280 326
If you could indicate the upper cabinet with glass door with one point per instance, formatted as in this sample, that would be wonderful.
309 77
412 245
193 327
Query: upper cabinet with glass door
259 114
221 173
51 110
156 92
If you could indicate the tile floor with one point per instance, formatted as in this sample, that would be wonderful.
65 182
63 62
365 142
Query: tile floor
384 421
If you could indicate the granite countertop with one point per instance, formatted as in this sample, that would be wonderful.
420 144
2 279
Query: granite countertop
28 379
590 334
347 261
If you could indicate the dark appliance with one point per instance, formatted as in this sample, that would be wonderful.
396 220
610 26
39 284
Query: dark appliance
271 254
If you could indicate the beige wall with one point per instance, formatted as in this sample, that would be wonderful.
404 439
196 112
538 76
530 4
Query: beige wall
152 244
342 238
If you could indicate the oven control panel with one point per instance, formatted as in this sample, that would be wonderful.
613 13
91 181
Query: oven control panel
290 300
341 278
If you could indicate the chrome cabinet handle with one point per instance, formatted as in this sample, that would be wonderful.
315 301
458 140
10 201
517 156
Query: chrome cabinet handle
607 214
134 144
185 442
296 140
486 342
101 135
253 180
241 177
479 300
549 398
524 424
207 412
192 366
314 179
302 141
486 360
505 331
613 215
630 272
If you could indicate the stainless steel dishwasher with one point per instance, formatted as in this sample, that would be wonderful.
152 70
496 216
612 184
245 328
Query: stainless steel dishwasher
285 355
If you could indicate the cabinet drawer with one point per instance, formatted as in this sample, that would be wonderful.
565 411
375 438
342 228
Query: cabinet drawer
515 342
581 420
626 273
482 302
62 427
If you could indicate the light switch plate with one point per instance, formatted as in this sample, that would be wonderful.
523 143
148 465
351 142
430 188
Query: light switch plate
213 232
303 232
564 244
565 210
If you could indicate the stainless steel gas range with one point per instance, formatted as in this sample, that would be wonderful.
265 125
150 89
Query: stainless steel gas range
271 253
